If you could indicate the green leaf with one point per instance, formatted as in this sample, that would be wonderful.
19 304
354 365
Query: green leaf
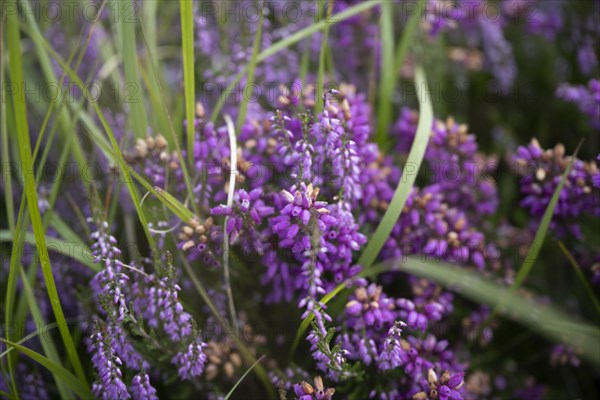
77 250
16 70
75 384
187 37
409 173
546 320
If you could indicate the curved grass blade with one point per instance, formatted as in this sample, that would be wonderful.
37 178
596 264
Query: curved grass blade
187 38
407 36
542 230
16 69
230 191
76 250
581 276
47 345
169 123
409 173
74 383
548 321
242 378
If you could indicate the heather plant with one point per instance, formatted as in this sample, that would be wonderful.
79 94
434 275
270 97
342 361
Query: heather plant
300 200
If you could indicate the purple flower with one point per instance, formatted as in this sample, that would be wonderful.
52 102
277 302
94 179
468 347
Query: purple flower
369 307
110 282
141 389
108 366
245 217
541 172
190 362
587 98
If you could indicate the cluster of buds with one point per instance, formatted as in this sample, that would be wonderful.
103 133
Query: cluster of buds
305 391
444 388
222 358
195 234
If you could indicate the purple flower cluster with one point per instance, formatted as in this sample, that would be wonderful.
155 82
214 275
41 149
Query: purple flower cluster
190 362
108 365
461 173
541 171
587 98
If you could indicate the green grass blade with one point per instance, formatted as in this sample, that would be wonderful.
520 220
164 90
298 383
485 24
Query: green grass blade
250 80
187 38
387 81
409 173
16 70
30 336
76 250
548 321
581 276
170 128
246 354
407 37
68 378
292 39
542 230
242 378
319 90
5 157
136 103
47 345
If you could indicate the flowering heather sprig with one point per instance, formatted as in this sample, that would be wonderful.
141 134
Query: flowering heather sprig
305 391
108 366
300 216
393 352
245 217
541 172
31 384
498 52
110 282
190 362
123 348
157 302
331 360
587 98
141 388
